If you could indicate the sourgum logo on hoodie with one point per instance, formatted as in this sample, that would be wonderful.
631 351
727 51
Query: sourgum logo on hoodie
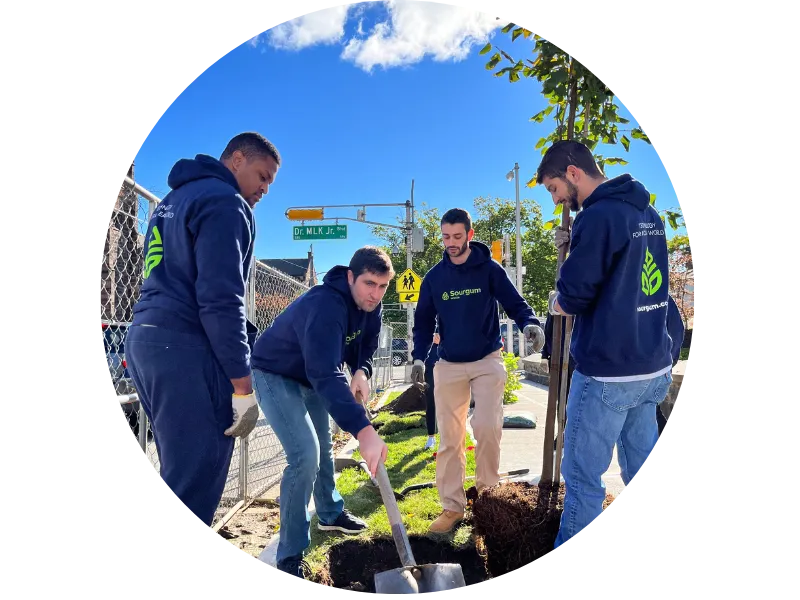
456 294
352 336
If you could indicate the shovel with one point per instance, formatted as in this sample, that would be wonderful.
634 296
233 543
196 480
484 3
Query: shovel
410 578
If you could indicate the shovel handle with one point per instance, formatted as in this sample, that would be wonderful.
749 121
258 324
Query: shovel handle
395 520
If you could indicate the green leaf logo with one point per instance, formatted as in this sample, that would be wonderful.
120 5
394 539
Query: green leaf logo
155 252
651 275
445 296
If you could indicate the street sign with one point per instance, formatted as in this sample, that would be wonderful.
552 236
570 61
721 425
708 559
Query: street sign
408 282
320 232
411 297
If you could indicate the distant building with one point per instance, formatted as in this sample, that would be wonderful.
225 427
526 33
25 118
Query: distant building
299 269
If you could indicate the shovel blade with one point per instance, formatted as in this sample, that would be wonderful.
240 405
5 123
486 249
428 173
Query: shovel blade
421 579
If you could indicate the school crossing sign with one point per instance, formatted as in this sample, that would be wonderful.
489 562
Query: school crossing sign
408 286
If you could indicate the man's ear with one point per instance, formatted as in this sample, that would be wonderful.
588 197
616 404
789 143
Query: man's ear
350 279
470 235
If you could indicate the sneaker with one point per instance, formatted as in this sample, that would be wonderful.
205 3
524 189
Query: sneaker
345 522
430 443
446 521
295 565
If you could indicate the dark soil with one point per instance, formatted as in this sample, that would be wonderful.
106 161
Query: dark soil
516 523
352 564
411 400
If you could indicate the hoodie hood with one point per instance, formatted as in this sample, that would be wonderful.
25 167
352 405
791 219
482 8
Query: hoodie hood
479 255
623 189
337 279
201 166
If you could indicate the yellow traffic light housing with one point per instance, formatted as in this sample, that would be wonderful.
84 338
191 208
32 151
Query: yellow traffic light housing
305 214
497 250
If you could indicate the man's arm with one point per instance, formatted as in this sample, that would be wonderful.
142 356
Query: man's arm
321 338
511 300
424 322
370 342
222 237
587 266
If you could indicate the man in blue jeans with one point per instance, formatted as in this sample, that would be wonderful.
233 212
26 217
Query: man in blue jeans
616 284
299 379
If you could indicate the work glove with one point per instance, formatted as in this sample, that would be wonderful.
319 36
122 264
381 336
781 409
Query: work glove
562 235
535 334
245 415
418 372
551 300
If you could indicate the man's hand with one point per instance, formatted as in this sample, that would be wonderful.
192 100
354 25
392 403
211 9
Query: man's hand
553 307
245 415
418 372
534 333
563 235
372 448
360 385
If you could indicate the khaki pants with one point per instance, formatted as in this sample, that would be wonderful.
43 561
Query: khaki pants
486 379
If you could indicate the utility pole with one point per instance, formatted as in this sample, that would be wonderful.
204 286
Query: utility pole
409 260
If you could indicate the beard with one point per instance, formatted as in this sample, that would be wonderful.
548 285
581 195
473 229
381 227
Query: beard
461 249
572 199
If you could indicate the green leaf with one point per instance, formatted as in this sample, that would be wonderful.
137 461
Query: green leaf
558 209
673 219
638 134
516 34
652 199
622 120
550 224
663 219
539 117
615 161
541 143
502 71
486 48
531 183
508 28
526 34
513 76
626 142
507 57
493 62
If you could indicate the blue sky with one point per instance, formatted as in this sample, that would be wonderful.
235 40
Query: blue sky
359 102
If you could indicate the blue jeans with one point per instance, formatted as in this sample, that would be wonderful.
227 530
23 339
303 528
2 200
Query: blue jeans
600 415
298 417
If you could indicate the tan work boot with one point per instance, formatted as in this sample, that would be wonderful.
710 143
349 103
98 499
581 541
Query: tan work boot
446 521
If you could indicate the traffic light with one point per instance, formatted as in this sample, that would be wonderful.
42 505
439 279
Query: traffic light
305 214
497 250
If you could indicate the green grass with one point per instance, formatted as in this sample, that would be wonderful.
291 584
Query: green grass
684 353
407 463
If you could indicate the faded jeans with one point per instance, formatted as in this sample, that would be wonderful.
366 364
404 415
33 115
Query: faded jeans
600 415
298 417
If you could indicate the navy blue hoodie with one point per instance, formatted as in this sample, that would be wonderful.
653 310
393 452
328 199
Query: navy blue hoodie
318 333
675 329
616 283
465 299
198 250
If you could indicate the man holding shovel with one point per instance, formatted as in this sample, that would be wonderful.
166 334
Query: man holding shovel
615 282
463 290
299 378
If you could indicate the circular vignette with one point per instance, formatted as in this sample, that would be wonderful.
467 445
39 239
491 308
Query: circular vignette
260 28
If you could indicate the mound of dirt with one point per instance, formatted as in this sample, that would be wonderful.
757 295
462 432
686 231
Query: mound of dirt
352 564
411 400
516 523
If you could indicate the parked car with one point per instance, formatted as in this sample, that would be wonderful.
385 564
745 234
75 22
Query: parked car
114 341
515 333
399 352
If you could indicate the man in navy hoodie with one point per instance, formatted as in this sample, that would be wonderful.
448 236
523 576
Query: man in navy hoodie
616 283
188 348
463 290
298 370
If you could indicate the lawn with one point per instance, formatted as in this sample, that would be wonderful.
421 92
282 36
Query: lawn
408 462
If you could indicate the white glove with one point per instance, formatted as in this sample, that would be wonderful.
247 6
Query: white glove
418 372
245 415
535 334
551 300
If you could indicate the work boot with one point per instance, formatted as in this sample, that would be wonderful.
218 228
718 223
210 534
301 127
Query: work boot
345 522
446 521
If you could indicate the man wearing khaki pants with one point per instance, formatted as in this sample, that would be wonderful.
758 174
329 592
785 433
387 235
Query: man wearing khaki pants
463 290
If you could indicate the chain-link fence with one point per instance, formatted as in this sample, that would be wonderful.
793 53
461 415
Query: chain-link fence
258 462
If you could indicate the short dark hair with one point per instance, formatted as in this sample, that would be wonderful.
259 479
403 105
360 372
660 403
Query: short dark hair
457 215
563 154
252 145
372 259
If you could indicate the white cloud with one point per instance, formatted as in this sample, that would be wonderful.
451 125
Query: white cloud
321 27
412 31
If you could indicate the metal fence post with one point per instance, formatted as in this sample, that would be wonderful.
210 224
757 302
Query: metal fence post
244 443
